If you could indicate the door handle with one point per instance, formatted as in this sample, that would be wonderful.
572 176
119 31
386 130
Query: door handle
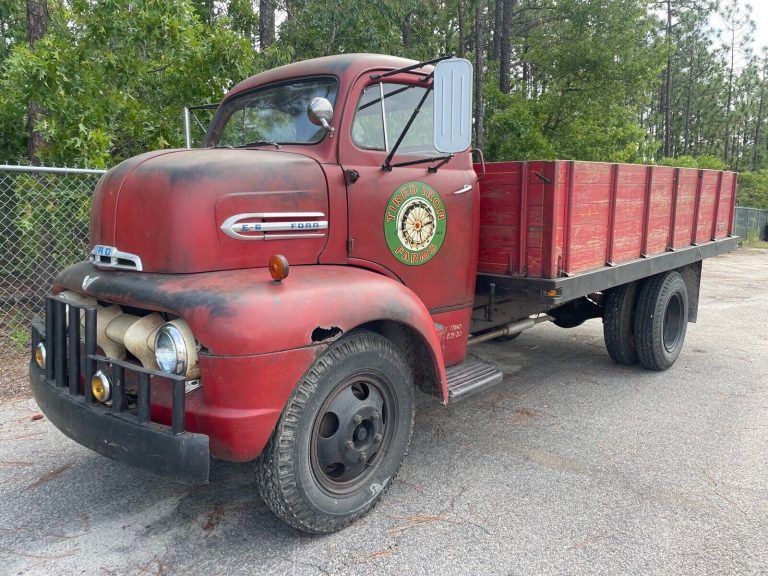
463 189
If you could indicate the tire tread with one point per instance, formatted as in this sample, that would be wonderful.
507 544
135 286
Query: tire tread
618 324
274 468
650 348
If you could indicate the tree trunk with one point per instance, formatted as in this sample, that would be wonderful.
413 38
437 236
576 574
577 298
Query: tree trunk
479 69
462 36
693 65
37 26
498 11
406 30
726 152
266 23
668 85
505 47
759 120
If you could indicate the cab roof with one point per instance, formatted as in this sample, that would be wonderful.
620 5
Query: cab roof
346 67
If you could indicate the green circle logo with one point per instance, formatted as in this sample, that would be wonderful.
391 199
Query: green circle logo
414 223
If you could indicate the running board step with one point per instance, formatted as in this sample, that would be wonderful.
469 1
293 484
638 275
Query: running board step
471 377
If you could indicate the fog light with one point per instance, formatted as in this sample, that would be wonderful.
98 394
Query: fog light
278 267
101 387
40 355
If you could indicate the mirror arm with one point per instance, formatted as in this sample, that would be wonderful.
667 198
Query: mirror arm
443 162
327 127
388 162
411 67
441 159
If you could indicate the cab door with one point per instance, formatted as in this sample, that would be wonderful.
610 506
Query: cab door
417 222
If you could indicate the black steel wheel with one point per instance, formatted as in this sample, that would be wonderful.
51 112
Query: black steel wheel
342 436
661 320
619 323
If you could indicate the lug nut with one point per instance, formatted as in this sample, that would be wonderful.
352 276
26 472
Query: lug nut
363 456
375 416
350 444
358 419
377 438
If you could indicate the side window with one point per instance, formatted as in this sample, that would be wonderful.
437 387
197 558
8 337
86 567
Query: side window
371 133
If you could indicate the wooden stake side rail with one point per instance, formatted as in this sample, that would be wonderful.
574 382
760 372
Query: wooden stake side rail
547 219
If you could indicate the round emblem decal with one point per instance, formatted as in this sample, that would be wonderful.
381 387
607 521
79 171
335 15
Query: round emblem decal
414 223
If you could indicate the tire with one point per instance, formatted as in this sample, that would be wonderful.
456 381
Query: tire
618 323
661 320
342 436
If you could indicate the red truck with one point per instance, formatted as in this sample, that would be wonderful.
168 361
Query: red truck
280 294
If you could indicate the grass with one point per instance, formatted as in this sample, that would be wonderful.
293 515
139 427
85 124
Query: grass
14 331
755 243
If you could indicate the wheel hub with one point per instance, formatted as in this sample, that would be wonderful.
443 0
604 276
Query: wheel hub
349 433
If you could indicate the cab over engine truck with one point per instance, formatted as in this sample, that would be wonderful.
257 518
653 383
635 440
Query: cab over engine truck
280 294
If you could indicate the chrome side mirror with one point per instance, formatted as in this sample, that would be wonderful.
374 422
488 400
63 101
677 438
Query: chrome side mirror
320 113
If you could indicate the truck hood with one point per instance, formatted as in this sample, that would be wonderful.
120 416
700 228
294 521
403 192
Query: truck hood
183 211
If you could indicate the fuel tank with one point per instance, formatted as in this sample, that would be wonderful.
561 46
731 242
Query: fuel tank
183 211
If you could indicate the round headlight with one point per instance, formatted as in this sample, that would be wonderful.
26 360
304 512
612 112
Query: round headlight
170 350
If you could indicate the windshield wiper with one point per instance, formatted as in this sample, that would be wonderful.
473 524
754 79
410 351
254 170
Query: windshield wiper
260 143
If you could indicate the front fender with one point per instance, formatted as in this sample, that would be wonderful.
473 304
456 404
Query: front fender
244 312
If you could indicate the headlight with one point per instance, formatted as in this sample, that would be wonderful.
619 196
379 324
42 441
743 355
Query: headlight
170 349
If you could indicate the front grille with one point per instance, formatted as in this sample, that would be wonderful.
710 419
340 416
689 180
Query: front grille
72 360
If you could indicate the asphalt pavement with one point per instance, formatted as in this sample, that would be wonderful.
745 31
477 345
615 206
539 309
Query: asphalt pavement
574 465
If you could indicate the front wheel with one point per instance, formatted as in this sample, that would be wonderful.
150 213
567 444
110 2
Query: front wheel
342 437
661 320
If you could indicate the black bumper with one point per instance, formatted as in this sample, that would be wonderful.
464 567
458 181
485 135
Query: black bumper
182 457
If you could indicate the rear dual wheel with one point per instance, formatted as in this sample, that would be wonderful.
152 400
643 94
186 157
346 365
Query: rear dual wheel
618 323
661 320
647 323
342 436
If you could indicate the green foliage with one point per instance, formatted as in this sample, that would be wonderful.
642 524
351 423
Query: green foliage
587 78
52 222
679 162
753 189
513 129
710 163
585 98
706 162
114 75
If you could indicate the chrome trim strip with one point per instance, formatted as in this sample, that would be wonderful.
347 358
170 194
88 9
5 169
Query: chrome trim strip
234 227
99 252
287 236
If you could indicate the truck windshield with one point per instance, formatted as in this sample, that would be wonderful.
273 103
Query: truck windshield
276 114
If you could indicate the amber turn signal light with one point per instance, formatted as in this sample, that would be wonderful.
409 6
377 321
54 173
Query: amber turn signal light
40 355
101 387
278 267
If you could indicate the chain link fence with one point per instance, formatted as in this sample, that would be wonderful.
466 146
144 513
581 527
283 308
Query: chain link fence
751 223
44 223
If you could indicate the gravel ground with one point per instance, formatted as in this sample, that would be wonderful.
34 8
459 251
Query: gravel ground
573 465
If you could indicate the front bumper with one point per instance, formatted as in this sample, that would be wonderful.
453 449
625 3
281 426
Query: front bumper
114 431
